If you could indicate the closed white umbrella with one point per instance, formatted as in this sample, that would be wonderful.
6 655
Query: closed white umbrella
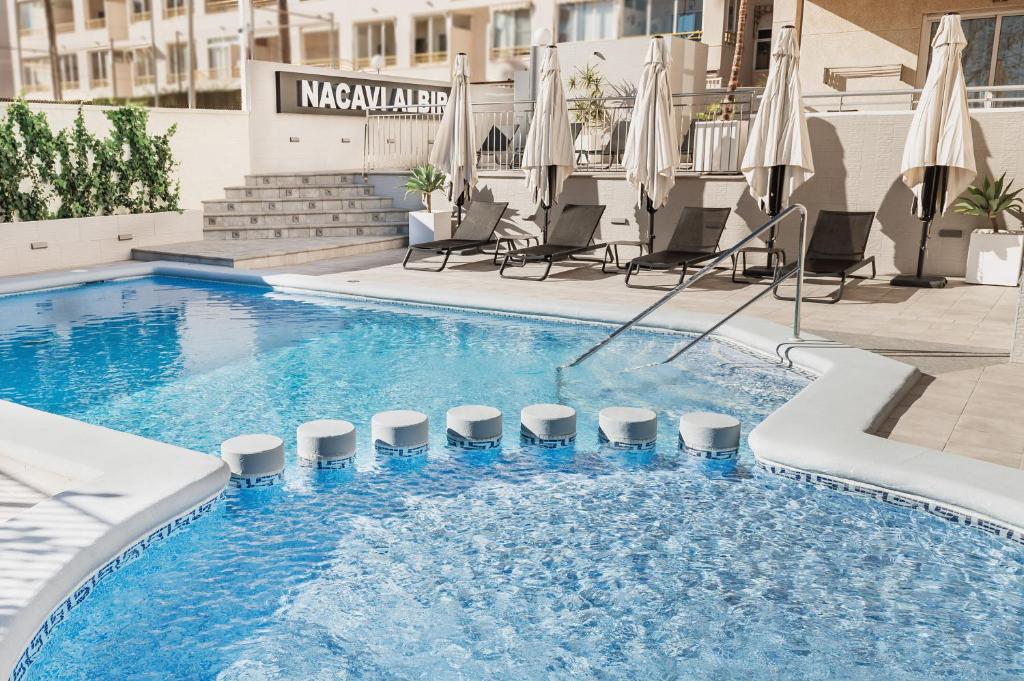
548 158
938 159
652 142
455 147
777 159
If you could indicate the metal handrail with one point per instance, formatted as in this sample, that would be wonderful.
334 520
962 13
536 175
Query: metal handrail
717 260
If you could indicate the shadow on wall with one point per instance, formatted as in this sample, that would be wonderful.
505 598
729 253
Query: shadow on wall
511 220
946 255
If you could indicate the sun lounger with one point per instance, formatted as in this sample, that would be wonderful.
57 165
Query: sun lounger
694 241
477 230
836 250
572 233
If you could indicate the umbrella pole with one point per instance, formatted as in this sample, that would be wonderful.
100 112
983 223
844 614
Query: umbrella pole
650 221
776 182
933 195
551 200
458 211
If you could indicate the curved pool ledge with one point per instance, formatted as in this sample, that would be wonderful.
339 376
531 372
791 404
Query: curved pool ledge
125 493
53 553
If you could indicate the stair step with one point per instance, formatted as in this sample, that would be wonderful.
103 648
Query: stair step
275 253
310 232
288 206
299 192
302 179
339 218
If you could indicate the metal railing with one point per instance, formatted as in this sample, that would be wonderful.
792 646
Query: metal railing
780 276
708 144
978 97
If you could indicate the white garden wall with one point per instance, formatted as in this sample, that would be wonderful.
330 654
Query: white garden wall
211 146
80 242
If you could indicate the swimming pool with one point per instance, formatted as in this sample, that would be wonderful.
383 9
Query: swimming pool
520 563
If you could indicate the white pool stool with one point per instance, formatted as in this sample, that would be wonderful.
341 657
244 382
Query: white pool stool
326 443
548 425
709 435
255 460
632 428
474 426
402 432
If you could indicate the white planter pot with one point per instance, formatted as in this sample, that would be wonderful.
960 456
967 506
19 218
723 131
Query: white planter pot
429 225
994 257
718 146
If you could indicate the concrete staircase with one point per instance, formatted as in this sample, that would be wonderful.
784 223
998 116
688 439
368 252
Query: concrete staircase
302 205
291 219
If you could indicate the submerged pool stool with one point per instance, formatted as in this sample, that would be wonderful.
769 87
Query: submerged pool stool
548 425
254 460
709 435
400 433
474 426
633 428
326 443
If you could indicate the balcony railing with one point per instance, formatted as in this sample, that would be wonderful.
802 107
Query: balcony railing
141 16
509 52
213 6
728 37
99 82
30 31
143 79
708 143
95 22
429 58
36 87
365 62
69 84
64 26
173 11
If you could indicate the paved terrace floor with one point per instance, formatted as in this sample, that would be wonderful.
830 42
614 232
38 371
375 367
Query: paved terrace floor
967 401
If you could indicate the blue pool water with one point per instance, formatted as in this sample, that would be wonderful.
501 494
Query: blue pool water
516 564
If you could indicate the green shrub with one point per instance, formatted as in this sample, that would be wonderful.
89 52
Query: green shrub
81 174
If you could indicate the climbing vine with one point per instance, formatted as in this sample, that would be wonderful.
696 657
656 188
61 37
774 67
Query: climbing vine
76 173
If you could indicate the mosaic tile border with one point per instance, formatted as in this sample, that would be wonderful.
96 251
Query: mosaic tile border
939 510
626 445
549 443
473 445
401 451
711 455
127 556
242 482
328 464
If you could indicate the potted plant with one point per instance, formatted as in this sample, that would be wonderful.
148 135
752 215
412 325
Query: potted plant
718 140
429 224
994 255
590 112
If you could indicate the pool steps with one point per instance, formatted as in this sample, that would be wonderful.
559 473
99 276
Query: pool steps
257 460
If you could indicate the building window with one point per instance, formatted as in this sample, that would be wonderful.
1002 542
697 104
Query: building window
98 73
763 49
510 32
995 51
177 62
651 17
142 66
35 74
140 10
222 55
68 66
430 41
594 20
173 8
96 14
31 18
375 38
319 47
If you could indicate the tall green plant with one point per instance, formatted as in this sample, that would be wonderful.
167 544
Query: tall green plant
991 200
27 164
76 180
144 183
587 84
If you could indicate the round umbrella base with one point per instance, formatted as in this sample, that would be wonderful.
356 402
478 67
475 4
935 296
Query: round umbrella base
918 282
759 272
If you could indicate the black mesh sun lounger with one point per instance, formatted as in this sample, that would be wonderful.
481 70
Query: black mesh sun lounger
694 241
477 230
837 248
572 233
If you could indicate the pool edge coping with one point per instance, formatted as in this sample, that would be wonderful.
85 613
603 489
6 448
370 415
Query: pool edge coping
822 435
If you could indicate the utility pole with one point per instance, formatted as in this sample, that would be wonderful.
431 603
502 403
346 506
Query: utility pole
243 54
191 58
51 35
284 29
152 54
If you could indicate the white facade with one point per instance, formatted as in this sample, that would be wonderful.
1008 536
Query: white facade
105 45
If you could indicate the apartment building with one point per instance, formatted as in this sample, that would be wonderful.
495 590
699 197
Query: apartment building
106 47
138 48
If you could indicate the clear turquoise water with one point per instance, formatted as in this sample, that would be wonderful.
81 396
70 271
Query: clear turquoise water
517 564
